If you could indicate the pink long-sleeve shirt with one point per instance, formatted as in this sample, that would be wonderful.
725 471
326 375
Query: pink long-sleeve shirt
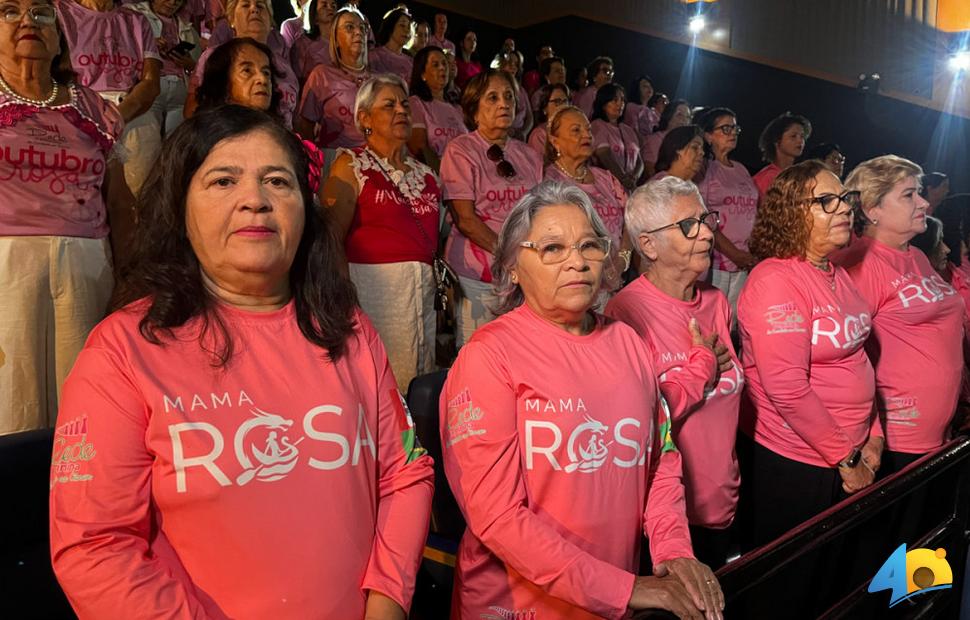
806 369
548 444
280 486
704 429
916 345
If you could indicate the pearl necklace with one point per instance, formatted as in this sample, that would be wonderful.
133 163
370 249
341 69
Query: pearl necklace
575 177
43 103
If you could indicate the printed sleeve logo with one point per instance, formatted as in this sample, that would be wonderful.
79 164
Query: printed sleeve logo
784 319
463 418
72 452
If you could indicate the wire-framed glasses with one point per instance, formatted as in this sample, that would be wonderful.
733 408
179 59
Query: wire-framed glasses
553 252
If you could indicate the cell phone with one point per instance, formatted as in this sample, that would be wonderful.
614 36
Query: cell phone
184 47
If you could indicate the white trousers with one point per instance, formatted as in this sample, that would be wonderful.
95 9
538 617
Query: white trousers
730 283
143 135
474 309
55 290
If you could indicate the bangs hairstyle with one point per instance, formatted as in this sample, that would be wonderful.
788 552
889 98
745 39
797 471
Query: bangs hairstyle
516 229
418 86
389 23
634 92
165 272
216 81
554 124
675 141
475 90
605 94
876 177
334 51
368 93
784 221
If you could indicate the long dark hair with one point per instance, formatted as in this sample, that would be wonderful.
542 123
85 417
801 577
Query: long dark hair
675 140
166 271
389 23
605 94
418 86
668 114
214 89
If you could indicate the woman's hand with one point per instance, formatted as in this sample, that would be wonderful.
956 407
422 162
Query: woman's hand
664 593
698 581
719 349
856 478
872 452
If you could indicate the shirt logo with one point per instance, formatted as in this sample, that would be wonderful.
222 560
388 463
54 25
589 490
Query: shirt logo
586 448
271 462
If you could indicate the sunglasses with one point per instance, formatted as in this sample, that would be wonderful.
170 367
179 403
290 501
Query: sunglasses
502 166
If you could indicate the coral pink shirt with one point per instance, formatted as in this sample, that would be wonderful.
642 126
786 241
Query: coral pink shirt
551 446
307 53
621 140
916 345
807 373
52 165
731 192
385 224
468 174
765 177
328 101
705 429
383 60
441 120
608 196
108 48
280 486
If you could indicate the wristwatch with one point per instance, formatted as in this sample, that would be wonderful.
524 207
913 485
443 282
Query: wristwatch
852 460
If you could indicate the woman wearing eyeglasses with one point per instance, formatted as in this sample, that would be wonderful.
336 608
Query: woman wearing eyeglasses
917 317
552 97
484 174
727 187
326 111
673 233
555 444
55 260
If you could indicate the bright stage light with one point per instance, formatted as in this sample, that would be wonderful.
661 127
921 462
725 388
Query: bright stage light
959 61
696 24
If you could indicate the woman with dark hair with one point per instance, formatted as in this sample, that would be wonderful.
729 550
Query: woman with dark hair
641 90
55 259
467 58
599 73
551 98
681 154
389 56
781 143
240 71
420 34
552 70
675 114
829 154
935 187
235 375
511 63
312 46
727 187
484 173
616 146
434 120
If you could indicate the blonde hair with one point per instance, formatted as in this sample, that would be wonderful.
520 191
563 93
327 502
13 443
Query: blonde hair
876 177
552 128
334 52
231 8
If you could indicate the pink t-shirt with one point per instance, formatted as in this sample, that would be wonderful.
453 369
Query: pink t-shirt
808 376
549 440
443 43
765 177
631 116
169 39
328 101
307 53
282 486
731 192
52 165
383 60
916 345
468 174
620 139
608 196
537 139
442 121
108 48
705 429
583 99
651 146
291 29
521 107
646 122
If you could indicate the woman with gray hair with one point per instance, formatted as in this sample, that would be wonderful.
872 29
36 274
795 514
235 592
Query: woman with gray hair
673 232
550 404
385 207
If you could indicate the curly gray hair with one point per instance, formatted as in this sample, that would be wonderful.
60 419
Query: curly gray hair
368 93
516 229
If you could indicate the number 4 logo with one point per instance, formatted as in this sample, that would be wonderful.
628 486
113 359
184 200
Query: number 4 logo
909 574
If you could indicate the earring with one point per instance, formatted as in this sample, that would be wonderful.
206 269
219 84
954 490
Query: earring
558 154
515 279
874 222
368 131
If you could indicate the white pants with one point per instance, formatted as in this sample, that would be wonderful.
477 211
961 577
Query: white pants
474 309
55 290
398 298
143 135
730 283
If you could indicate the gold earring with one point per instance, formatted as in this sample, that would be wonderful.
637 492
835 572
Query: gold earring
515 279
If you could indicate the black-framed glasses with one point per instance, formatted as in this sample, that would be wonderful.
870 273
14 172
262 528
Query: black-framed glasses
44 15
554 252
503 167
559 101
830 202
729 128
691 226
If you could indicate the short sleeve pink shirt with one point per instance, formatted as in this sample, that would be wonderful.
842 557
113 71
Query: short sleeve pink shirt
328 101
651 146
52 165
441 120
108 48
307 53
537 140
443 43
468 174
731 192
583 99
383 60
620 139
608 196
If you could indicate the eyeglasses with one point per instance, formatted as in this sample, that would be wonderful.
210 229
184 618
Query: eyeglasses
559 101
43 15
691 227
554 252
502 166
729 129
830 202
